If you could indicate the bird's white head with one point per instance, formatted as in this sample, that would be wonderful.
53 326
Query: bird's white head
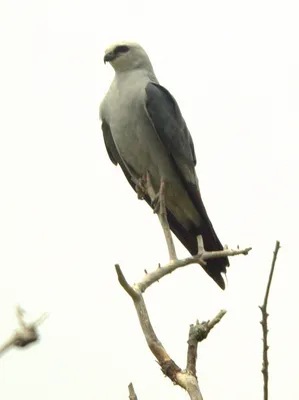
126 56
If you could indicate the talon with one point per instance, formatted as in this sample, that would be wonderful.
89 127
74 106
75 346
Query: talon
140 188
140 193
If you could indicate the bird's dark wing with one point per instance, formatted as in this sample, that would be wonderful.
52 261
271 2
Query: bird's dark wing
175 136
170 125
183 235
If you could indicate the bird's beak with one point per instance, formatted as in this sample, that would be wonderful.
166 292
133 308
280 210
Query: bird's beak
109 57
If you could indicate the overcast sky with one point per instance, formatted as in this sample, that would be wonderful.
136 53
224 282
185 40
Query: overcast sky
67 213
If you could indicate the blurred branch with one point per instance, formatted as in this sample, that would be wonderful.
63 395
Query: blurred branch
264 323
25 334
132 394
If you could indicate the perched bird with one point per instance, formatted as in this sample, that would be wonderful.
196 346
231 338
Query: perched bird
145 133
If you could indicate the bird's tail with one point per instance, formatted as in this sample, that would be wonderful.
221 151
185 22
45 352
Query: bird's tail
215 266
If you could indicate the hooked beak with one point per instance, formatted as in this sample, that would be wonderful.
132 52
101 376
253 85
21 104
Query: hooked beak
109 57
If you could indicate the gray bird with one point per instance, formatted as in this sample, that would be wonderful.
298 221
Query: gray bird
145 133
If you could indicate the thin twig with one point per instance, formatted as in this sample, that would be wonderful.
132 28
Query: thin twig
132 394
157 274
264 323
25 334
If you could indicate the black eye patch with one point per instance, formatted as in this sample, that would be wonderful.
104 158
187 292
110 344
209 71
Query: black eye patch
121 49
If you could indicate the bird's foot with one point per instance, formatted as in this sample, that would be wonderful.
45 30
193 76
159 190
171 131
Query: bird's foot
140 187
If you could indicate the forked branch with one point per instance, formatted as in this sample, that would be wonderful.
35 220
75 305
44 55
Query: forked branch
185 378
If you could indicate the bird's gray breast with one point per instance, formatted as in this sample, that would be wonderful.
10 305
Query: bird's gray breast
131 128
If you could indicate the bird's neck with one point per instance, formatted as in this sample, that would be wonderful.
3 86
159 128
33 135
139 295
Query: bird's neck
136 74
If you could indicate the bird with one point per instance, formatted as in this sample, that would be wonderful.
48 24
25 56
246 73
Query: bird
146 135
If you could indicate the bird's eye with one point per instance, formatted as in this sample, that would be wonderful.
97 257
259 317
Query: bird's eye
121 49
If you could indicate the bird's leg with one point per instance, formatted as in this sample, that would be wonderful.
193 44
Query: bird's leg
200 245
159 207
162 214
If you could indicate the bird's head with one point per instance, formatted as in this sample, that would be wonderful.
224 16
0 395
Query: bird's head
126 56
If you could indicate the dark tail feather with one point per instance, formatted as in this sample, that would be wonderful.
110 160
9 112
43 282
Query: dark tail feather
215 266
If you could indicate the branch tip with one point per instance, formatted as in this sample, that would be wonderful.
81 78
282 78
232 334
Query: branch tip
122 280
132 394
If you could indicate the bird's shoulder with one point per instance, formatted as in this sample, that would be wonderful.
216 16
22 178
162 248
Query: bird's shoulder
127 91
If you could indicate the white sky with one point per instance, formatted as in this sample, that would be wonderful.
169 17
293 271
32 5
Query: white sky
67 214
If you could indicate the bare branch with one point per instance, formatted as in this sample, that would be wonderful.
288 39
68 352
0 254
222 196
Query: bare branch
132 394
197 333
167 365
186 379
25 334
201 258
264 323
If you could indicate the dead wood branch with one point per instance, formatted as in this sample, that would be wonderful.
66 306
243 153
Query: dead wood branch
185 378
153 342
25 334
264 323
